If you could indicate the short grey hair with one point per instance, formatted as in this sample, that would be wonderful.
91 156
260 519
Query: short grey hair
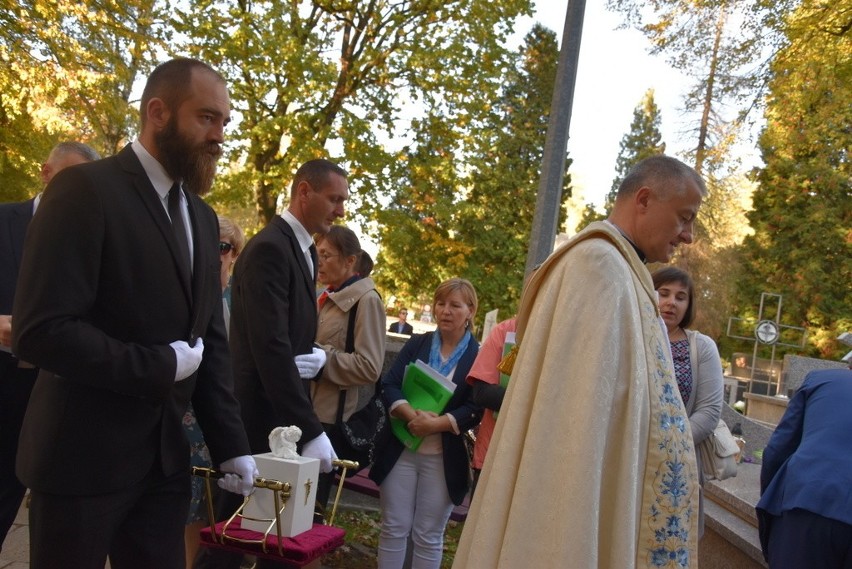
661 168
73 147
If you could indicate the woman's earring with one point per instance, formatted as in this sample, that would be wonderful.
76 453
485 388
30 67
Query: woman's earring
466 324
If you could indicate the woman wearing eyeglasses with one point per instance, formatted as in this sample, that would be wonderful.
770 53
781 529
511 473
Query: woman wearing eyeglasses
352 365
231 241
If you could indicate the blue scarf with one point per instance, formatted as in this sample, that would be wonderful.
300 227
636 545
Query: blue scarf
444 368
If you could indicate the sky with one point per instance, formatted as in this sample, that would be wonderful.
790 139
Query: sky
613 74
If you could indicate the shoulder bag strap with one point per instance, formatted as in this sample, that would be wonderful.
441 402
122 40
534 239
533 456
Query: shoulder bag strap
349 348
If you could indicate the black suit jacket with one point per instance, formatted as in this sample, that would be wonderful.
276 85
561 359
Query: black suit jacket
104 300
273 319
14 218
406 328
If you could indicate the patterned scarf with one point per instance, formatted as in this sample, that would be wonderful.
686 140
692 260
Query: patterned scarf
435 353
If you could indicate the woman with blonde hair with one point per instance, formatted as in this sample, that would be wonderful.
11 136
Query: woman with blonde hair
419 488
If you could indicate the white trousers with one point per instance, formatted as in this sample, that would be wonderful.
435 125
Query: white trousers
414 500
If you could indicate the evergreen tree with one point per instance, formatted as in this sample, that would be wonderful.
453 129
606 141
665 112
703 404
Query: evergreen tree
474 221
497 215
643 140
802 216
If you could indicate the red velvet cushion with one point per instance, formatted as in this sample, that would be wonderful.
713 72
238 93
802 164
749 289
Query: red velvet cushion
298 551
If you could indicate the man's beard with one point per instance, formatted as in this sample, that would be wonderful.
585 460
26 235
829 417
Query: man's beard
194 165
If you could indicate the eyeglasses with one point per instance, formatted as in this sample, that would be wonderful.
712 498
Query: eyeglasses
325 257
225 248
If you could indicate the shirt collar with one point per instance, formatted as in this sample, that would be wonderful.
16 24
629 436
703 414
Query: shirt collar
302 236
629 240
161 181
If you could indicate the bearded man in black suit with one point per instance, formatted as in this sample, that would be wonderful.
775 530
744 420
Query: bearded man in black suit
123 314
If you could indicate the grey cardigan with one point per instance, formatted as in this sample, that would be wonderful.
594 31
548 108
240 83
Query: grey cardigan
705 403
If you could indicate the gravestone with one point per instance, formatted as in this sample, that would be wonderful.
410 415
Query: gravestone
797 367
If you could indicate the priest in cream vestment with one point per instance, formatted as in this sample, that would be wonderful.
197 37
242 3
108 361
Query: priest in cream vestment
592 464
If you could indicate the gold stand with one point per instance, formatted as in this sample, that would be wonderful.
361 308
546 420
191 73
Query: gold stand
280 493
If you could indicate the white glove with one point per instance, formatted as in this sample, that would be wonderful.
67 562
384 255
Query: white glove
188 358
321 449
241 474
309 365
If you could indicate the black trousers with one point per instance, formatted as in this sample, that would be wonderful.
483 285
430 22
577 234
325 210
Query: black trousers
140 527
16 384
800 539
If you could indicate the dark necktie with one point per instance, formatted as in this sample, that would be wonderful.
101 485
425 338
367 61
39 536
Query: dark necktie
180 231
313 250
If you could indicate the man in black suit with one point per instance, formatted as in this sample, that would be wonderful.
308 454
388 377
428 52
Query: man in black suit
17 377
274 313
121 273
274 322
402 327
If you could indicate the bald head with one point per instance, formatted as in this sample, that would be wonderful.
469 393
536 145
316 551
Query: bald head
66 154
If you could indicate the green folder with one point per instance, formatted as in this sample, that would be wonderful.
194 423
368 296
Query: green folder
507 347
425 389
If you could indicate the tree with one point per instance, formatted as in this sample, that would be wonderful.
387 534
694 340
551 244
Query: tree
474 218
315 78
802 216
497 214
68 73
643 140
418 227
723 46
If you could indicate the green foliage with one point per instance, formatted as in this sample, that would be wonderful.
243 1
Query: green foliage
417 229
802 217
22 145
643 140
67 72
496 217
473 219
314 79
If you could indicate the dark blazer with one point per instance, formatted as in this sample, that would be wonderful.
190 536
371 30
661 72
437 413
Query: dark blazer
460 406
104 298
14 218
807 463
406 328
273 319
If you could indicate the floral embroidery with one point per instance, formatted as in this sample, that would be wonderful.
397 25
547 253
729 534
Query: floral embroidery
670 514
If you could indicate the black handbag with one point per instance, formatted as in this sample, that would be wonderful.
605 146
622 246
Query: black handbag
368 428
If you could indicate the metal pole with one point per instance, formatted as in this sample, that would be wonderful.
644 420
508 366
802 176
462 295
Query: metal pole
553 163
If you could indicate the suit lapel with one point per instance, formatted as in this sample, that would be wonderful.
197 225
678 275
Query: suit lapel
297 253
199 263
130 163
